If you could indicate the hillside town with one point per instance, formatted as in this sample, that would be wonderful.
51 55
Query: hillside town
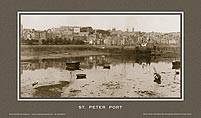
77 35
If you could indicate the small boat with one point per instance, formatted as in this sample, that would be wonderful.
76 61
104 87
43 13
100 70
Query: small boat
177 72
81 76
49 89
176 64
49 85
73 65
106 67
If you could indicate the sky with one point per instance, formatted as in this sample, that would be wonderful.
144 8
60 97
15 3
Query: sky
145 23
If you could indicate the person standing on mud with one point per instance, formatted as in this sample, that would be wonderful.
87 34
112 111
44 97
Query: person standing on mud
157 77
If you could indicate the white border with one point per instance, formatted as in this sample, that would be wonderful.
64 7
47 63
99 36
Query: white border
100 99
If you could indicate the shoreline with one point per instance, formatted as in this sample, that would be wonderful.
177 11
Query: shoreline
31 52
62 55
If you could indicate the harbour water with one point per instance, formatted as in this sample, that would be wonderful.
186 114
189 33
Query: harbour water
127 77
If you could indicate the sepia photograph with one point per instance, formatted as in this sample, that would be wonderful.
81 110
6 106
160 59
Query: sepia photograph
100 56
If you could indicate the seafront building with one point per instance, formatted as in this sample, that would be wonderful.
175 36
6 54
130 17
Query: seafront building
88 35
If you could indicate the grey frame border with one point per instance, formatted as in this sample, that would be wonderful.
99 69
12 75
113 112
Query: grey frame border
96 13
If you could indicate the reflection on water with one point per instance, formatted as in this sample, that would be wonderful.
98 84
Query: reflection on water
92 61
125 76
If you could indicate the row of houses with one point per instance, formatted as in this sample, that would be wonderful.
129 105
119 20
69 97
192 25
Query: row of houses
100 37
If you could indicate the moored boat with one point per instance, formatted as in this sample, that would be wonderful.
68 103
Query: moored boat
106 67
73 65
81 76
176 64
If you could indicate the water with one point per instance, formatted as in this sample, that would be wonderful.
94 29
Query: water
128 76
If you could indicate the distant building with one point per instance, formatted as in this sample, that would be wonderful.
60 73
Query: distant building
86 29
84 34
127 30
76 30
88 35
49 34
108 40
133 30
116 33
27 34
91 39
34 35
42 35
